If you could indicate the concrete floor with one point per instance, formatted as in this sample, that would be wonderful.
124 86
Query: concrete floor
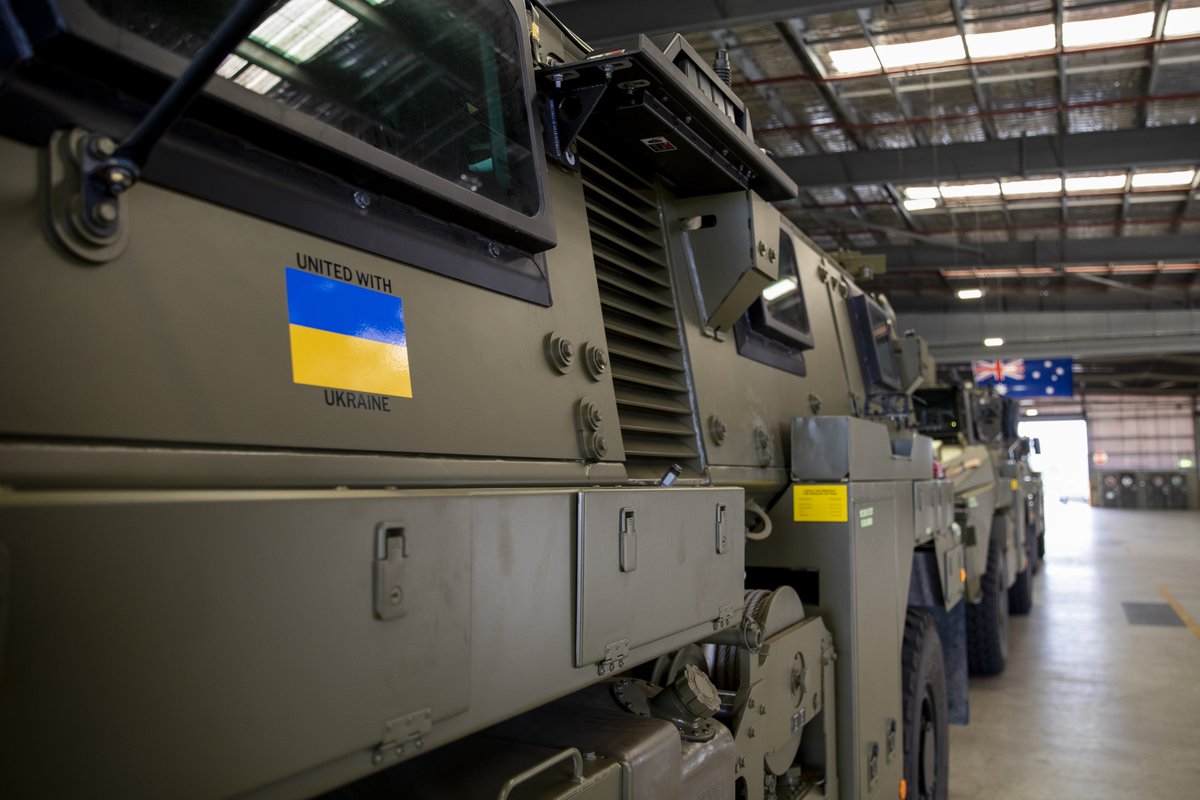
1090 705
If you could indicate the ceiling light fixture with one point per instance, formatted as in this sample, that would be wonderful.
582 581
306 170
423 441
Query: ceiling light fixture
1182 22
970 294
911 54
1089 32
922 193
1040 186
1013 42
920 205
1096 183
854 61
257 79
993 341
971 190
1031 412
302 28
1155 180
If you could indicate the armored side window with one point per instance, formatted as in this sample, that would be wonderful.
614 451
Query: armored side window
434 83
776 328
874 341
427 102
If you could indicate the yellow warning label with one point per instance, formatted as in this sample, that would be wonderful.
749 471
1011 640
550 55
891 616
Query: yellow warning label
1014 484
820 503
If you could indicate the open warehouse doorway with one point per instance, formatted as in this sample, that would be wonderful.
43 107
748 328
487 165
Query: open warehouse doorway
1063 460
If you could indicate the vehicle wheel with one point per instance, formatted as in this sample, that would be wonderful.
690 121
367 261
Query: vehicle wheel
1020 594
926 738
987 620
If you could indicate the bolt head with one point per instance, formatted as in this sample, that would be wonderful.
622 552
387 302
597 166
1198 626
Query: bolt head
395 596
105 212
103 147
362 199
493 250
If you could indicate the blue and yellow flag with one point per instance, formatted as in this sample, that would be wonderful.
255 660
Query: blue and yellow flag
346 337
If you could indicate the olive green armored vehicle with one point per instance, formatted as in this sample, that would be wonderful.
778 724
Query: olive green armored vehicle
999 507
403 400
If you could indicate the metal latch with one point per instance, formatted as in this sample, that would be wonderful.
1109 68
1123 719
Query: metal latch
628 537
872 764
401 733
722 536
725 615
615 654
391 559
891 739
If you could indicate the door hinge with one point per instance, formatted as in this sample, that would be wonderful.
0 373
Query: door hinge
403 735
615 654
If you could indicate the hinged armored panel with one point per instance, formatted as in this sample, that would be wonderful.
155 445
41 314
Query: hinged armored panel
733 246
680 576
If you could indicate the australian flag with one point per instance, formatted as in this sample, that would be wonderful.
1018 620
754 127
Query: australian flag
1018 377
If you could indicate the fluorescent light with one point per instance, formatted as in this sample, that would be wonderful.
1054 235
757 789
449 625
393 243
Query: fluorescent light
231 66
1031 412
1182 21
920 205
1147 180
858 59
1041 186
779 288
993 341
922 193
1096 183
971 190
970 294
1130 27
931 51
1011 43
303 28
257 79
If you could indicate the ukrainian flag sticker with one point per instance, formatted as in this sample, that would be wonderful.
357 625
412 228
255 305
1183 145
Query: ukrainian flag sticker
346 336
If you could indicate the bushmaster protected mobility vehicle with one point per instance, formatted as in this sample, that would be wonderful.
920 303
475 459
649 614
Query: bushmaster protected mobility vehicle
999 506
408 401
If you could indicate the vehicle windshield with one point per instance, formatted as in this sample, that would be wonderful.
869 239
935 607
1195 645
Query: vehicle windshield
436 83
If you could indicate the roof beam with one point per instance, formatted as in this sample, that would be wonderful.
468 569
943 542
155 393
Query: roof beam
1149 147
1048 253
603 21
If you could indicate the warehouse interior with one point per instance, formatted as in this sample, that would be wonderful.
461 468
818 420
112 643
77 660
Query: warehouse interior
1045 155
416 399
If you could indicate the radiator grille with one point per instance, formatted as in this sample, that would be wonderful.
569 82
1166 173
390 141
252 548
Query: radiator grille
644 346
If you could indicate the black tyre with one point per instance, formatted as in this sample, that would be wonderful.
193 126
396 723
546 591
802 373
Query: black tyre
1020 594
926 738
987 620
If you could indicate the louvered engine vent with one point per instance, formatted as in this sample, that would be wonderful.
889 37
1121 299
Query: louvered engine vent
639 317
